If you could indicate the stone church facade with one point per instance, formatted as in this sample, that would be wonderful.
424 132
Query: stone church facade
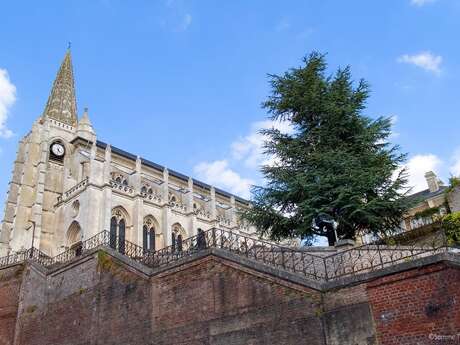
223 288
68 186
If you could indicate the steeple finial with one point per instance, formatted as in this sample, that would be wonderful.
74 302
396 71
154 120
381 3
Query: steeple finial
85 128
62 104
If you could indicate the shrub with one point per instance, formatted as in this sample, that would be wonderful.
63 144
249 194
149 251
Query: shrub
451 226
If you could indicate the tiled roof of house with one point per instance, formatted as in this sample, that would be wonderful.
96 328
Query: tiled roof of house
425 194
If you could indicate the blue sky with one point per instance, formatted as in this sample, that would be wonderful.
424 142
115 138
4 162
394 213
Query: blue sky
181 82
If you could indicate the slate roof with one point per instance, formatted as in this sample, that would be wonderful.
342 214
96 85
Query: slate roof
425 194
171 172
62 104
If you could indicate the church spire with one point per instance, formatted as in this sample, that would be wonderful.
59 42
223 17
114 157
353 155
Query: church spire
62 105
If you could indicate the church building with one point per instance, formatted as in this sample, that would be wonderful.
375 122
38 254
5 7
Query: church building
68 186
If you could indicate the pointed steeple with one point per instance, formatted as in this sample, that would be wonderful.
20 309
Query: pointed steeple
62 104
85 128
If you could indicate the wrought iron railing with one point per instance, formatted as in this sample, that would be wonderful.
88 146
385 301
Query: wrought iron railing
296 261
372 257
29 254
99 240
13 258
300 261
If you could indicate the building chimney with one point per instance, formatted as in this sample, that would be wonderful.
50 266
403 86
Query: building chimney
432 181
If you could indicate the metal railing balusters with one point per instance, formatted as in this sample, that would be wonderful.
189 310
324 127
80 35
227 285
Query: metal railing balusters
347 262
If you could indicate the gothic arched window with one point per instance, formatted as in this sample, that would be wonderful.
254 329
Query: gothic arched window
148 231
179 243
121 235
118 230
74 234
113 232
177 235
173 241
74 237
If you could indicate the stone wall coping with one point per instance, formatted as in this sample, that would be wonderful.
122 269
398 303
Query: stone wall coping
20 263
450 258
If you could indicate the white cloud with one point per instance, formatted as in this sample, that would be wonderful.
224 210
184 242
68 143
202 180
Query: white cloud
421 2
304 34
393 133
425 60
417 166
7 99
283 25
455 168
187 21
176 17
248 150
250 147
219 174
394 120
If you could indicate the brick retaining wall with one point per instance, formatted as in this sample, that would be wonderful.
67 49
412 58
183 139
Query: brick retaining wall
104 298
10 284
420 306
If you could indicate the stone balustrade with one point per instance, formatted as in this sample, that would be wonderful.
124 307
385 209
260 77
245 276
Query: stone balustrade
178 206
202 214
122 187
224 221
74 190
156 198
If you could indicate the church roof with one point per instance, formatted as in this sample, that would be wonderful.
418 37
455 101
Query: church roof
173 173
62 104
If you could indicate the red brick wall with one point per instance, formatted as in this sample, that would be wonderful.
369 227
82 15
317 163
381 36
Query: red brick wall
347 316
417 307
209 301
101 301
215 302
97 302
10 285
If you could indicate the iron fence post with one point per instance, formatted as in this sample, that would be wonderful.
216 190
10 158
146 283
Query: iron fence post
444 240
214 243
380 255
326 276
304 269
282 259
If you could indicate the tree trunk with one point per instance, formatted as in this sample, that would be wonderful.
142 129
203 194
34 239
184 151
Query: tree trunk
331 238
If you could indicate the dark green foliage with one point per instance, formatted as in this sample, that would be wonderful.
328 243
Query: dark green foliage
451 225
454 182
427 213
337 163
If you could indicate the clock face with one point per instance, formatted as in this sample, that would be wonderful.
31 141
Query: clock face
58 149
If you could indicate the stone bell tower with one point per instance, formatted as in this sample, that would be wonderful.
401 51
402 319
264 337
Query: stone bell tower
43 170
